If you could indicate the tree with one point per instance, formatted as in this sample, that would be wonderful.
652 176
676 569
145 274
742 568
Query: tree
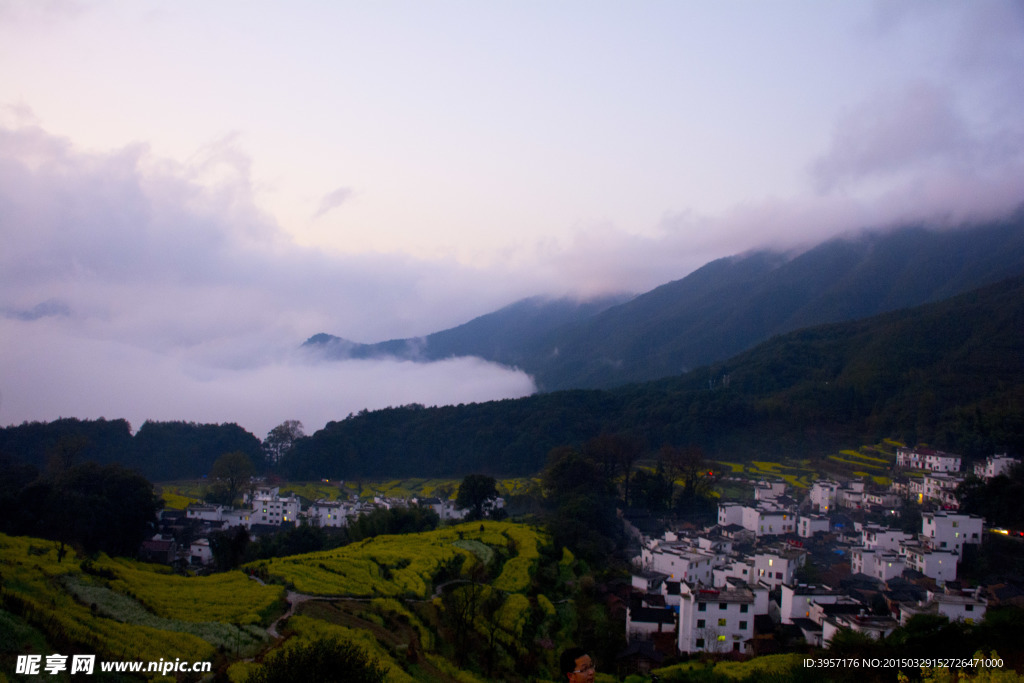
229 547
324 659
653 490
581 504
280 440
616 455
688 467
474 492
232 469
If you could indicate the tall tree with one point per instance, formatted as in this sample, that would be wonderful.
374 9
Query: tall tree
581 504
234 470
474 492
616 455
687 467
280 440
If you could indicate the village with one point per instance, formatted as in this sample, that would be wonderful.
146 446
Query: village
736 586
266 511
740 585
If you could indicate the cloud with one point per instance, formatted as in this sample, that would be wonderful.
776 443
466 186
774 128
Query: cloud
134 286
50 371
333 200
892 132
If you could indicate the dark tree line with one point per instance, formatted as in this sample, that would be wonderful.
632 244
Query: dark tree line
160 451
87 506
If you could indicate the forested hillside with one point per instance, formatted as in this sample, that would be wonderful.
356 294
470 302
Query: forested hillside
723 308
950 374
159 450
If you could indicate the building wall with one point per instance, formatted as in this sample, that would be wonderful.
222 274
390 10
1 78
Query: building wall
718 627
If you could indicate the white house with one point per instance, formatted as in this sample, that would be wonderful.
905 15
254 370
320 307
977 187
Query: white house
951 531
647 581
941 487
715 620
882 538
206 513
994 465
824 494
877 562
328 513
742 570
797 601
851 495
875 627
268 507
777 567
966 608
730 513
643 623
769 490
808 525
937 564
200 553
927 459
683 564
766 519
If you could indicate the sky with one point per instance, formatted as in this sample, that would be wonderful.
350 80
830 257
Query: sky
189 190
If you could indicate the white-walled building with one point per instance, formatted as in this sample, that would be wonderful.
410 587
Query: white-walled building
808 525
851 495
877 563
200 552
875 627
716 620
927 459
994 465
936 564
951 531
328 513
769 490
966 608
682 563
882 538
941 487
205 513
767 519
644 623
824 494
797 601
775 568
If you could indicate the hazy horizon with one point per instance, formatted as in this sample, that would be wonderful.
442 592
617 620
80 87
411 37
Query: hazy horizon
189 191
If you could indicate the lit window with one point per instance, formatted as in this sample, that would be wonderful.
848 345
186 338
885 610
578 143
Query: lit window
721 622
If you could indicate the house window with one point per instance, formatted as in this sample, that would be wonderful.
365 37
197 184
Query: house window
743 608
722 605
700 623
702 607
968 608
778 575
743 625
700 642
735 647
721 639
721 622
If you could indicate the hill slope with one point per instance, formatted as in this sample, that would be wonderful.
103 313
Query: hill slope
723 308
950 373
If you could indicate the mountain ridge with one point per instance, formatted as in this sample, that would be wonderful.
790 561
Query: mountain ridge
722 308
